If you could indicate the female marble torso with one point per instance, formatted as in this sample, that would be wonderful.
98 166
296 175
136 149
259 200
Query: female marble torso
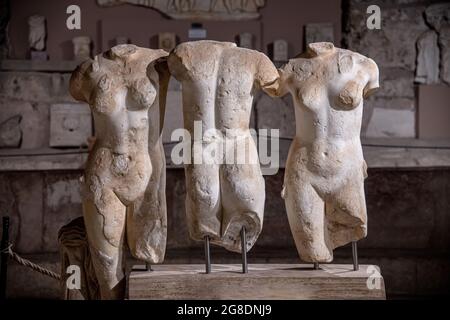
325 169
124 175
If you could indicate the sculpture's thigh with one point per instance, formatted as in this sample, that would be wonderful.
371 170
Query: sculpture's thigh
346 212
104 217
147 216
203 209
243 196
305 210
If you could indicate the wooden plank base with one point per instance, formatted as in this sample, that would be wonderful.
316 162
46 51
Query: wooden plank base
263 281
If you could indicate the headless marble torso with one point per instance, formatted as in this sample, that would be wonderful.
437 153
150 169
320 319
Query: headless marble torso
125 171
325 170
218 82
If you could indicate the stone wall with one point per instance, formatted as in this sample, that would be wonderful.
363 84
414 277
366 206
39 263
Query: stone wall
29 95
408 228
410 48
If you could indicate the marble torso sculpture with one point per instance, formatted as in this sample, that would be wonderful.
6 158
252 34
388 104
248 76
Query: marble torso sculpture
123 187
218 81
325 170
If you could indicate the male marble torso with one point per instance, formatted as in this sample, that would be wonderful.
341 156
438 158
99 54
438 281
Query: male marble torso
219 81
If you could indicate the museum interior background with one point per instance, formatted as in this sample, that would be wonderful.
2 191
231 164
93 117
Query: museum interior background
405 134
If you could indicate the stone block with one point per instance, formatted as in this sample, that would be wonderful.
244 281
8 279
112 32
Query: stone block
10 133
386 123
35 87
70 125
264 281
34 122
394 44
396 88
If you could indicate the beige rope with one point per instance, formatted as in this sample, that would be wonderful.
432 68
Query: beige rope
29 264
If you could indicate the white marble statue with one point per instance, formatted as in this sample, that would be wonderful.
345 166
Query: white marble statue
37 33
325 170
218 83
123 187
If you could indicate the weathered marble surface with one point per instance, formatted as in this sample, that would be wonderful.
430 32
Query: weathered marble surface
325 170
218 81
123 187
37 33
198 9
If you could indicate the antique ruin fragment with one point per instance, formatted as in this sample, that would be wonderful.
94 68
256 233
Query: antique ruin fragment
123 187
37 33
81 48
218 82
198 9
325 170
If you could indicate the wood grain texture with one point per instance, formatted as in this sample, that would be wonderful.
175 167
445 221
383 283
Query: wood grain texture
264 281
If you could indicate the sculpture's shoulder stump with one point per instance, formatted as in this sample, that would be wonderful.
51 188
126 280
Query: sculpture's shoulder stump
264 281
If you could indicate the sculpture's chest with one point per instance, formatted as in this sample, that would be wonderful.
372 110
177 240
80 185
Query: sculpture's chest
115 93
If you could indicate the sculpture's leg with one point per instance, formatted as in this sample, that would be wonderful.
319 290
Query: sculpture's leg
147 216
105 225
243 196
305 209
203 207
346 215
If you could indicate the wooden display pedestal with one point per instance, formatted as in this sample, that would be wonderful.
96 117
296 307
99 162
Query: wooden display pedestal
263 281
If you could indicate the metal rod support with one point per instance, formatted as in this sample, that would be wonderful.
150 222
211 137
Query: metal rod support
207 256
244 251
316 266
148 267
355 256
4 257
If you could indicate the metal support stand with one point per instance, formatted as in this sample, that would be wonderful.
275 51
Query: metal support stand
244 251
148 267
4 257
355 256
207 256
316 266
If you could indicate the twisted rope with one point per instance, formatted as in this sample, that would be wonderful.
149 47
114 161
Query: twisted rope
29 264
